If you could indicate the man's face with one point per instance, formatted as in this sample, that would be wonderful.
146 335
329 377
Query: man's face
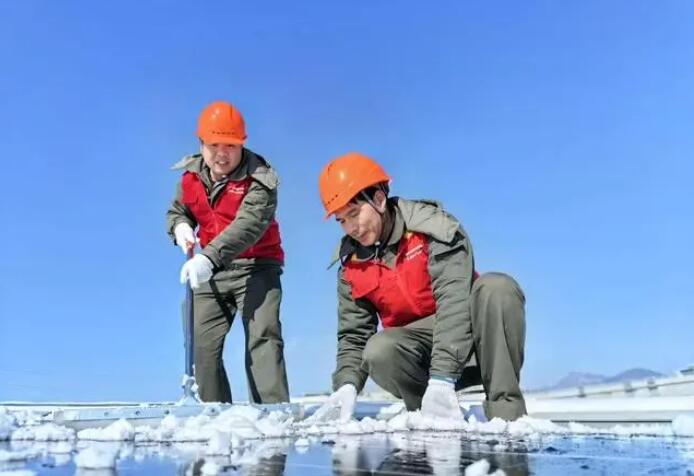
362 221
222 159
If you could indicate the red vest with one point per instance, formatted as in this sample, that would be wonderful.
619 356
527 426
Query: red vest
212 220
401 294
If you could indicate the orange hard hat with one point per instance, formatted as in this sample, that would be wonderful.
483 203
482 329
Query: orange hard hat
343 178
221 123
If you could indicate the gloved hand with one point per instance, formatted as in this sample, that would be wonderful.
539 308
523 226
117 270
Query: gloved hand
197 269
440 400
476 411
344 398
185 237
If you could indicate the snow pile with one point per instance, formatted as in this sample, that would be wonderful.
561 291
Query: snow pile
221 434
230 428
96 458
683 425
386 413
7 423
15 456
481 468
210 468
21 472
120 430
45 432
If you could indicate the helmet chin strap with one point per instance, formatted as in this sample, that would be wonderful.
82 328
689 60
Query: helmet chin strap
370 201
385 221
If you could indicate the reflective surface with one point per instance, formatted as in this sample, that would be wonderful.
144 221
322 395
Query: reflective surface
386 454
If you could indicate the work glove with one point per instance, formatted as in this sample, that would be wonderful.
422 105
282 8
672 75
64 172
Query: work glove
185 238
344 399
440 400
197 270
476 411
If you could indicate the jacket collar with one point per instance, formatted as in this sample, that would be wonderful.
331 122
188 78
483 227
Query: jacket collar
252 165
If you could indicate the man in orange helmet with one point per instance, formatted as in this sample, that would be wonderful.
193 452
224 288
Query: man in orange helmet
409 265
230 194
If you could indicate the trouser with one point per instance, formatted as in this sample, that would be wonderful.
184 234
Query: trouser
398 358
255 292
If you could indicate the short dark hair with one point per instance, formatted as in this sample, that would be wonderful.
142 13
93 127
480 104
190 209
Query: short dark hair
371 192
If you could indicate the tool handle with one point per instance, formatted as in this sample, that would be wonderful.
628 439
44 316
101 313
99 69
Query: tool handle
188 325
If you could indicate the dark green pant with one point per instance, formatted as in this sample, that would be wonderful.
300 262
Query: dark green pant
398 359
255 292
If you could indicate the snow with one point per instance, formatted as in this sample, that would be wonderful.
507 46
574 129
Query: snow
481 468
45 432
21 472
120 430
93 457
231 427
226 437
683 425
13 456
302 442
221 443
7 424
210 468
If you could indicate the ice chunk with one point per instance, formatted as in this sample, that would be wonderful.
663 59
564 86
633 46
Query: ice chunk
211 468
119 430
96 458
45 432
481 468
683 425
390 411
7 423
14 456
219 443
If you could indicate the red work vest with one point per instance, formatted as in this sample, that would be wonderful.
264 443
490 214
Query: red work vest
213 219
401 294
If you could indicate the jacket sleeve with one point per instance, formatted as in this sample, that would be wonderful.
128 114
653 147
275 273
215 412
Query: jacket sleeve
253 217
178 213
451 269
357 322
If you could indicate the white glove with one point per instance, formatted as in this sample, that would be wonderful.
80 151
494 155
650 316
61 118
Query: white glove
344 398
476 411
197 269
185 238
440 400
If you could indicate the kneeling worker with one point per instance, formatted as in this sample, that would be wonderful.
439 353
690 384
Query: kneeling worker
410 265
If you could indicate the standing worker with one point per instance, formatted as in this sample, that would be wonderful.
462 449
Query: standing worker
230 194
410 265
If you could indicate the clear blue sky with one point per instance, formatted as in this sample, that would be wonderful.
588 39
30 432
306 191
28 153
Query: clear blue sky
560 133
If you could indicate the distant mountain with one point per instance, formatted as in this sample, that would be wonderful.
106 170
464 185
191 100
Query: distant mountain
633 374
578 379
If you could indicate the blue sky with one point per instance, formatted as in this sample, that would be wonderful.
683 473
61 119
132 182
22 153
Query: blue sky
560 133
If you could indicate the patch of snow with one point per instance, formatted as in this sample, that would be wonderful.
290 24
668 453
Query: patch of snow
93 457
386 413
45 432
20 472
61 459
119 430
210 468
481 468
14 456
7 423
219 443
683 425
